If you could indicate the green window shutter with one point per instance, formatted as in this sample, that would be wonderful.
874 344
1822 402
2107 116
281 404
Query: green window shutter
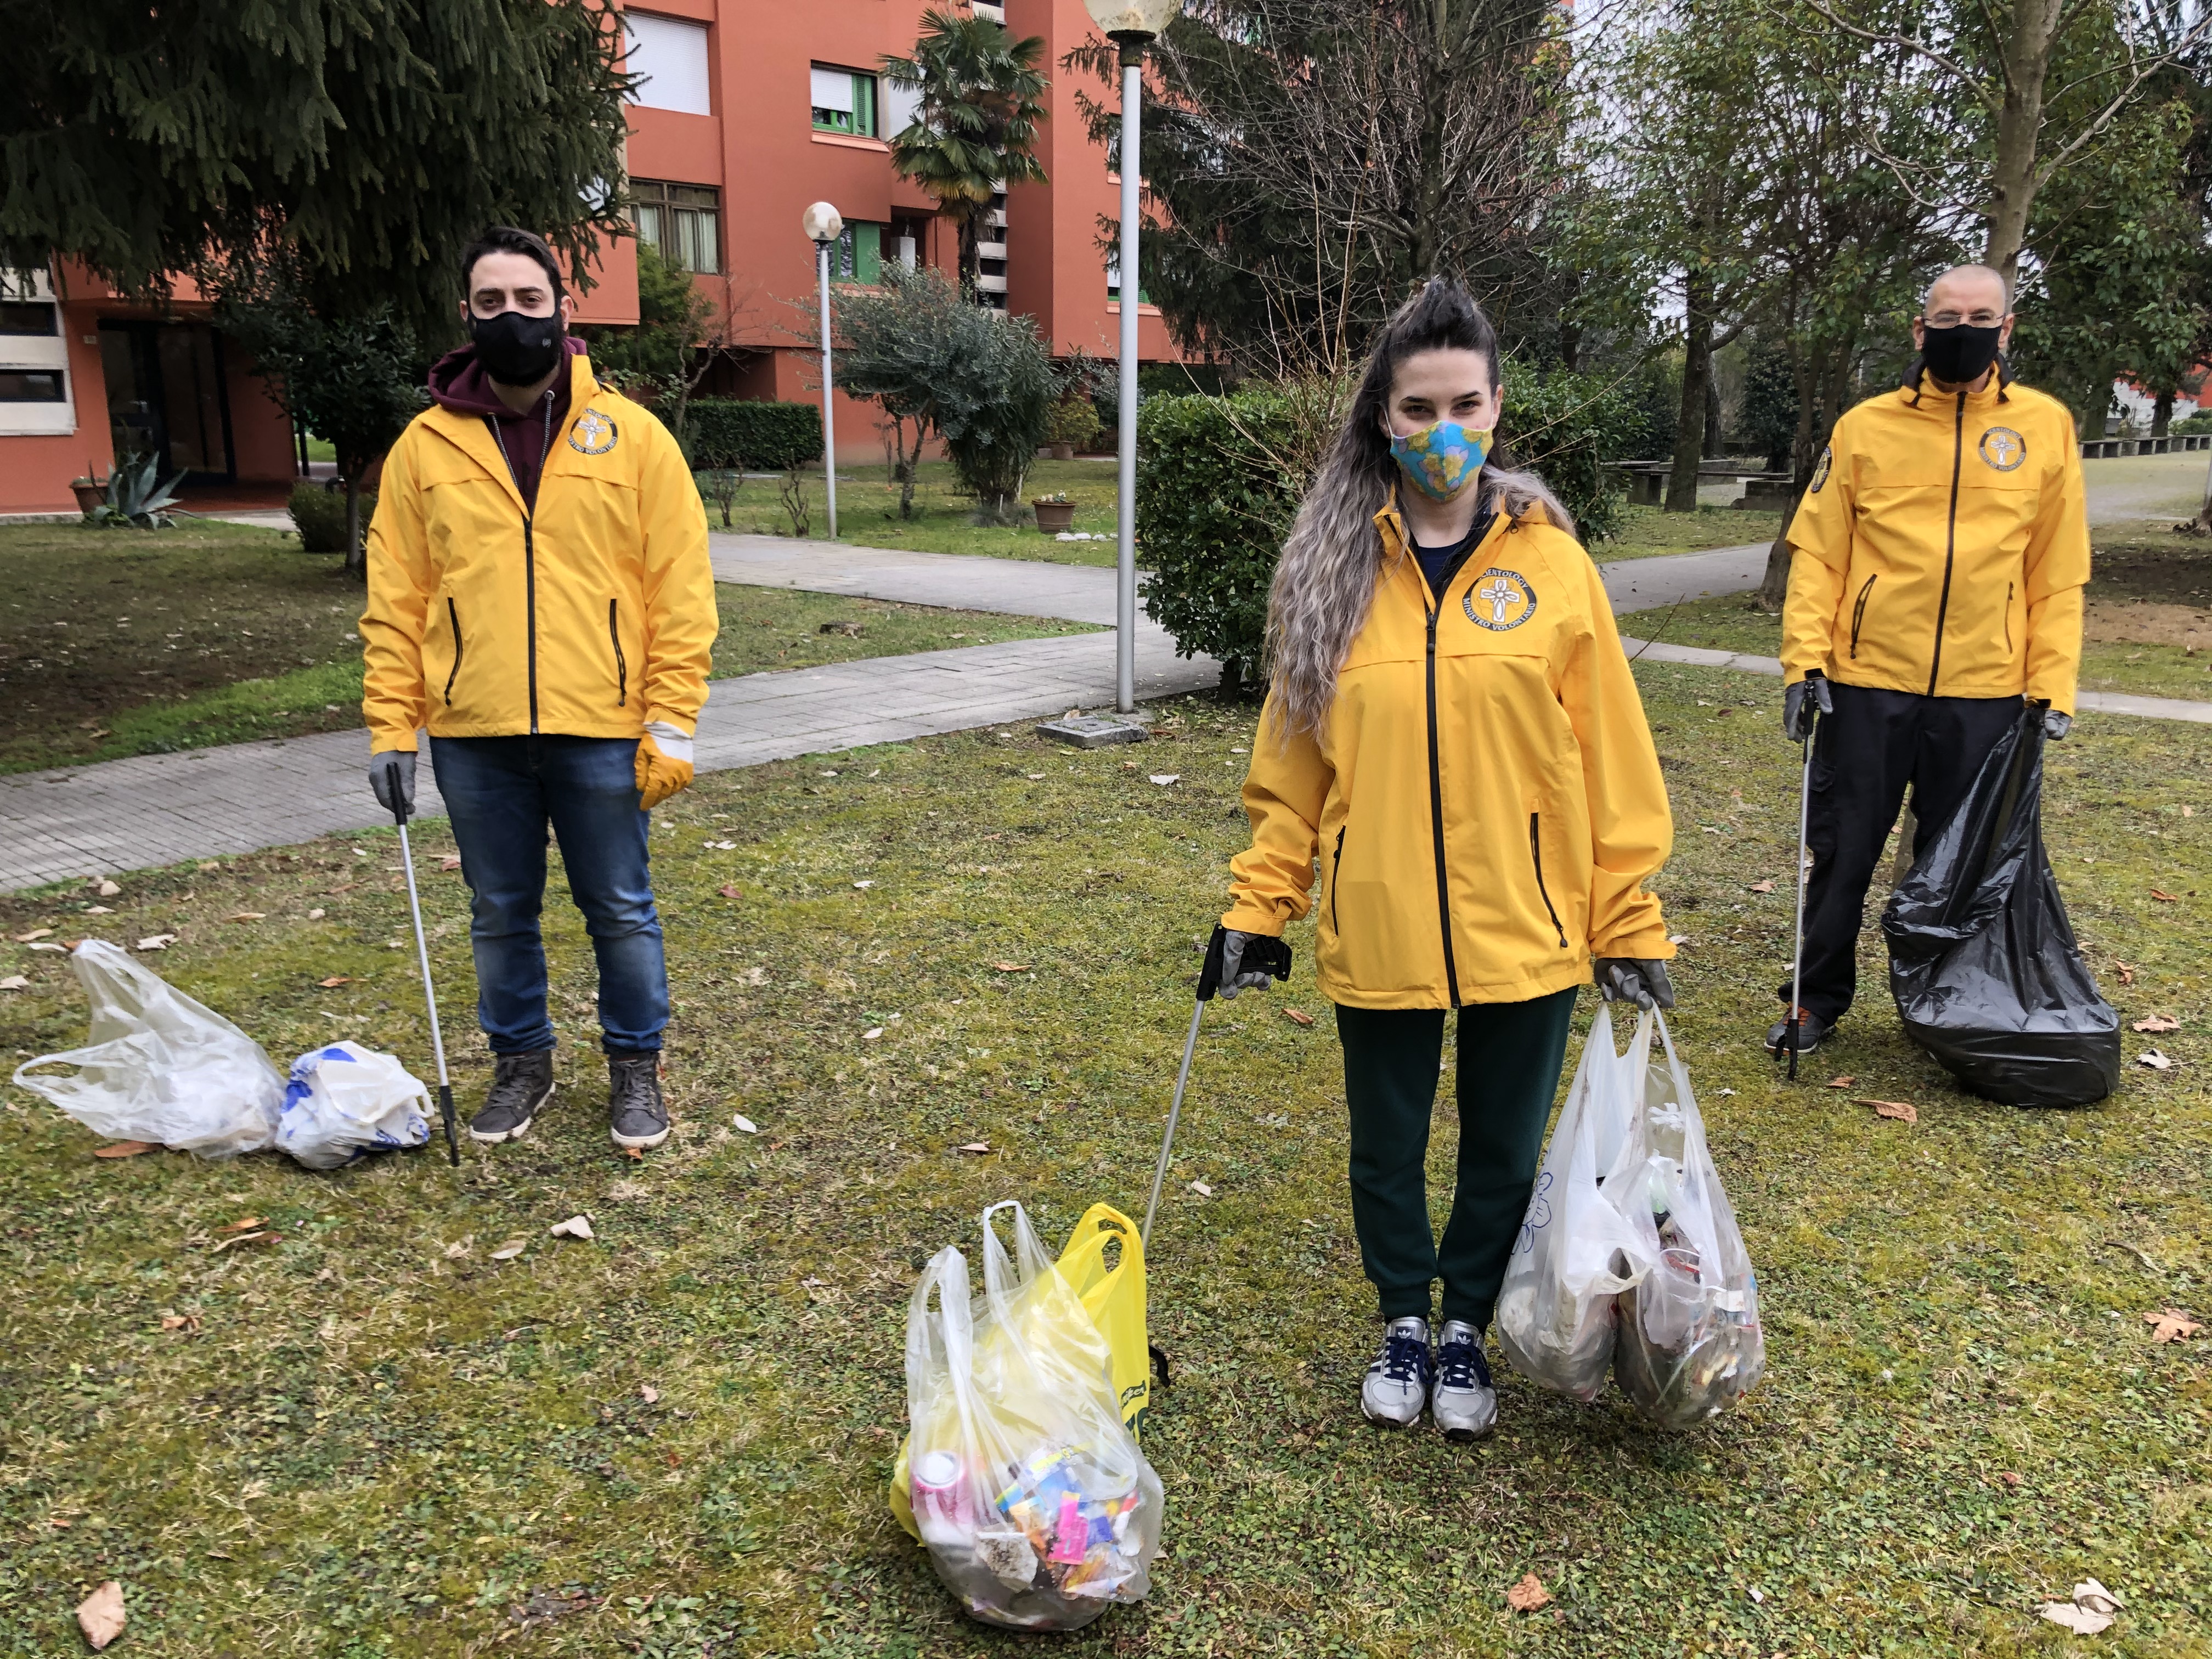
867 253
864 106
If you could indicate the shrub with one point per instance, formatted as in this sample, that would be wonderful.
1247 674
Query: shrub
319 516
1213 504
757 437
1074 421
1563 426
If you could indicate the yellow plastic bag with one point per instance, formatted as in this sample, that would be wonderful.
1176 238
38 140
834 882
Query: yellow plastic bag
1113 1296
1021 1477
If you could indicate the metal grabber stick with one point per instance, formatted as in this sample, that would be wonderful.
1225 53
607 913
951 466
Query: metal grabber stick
429 992
1269 956
1797 955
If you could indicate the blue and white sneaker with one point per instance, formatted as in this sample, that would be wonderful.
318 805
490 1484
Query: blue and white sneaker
1464 1404
1397 1385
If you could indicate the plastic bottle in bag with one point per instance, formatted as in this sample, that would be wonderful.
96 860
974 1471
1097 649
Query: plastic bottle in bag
1036 1507
1689 1344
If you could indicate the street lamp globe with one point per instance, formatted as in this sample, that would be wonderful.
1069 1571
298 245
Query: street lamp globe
1119 19
822 224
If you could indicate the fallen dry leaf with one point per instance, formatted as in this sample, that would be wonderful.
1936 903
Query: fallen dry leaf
2080 1621
511 1248
157 942
1165 778
1201 1189
317 915
2164 897
48 944
2008 1478
15 982
460 1247
1297 1016
449 861
648 1393
635 1154
125 1149
108 889
1762 887
2159 1022
979 1147
2170 1325
1010 967
185 1322
245 1238
36 933
246 1224
2127 974
746 1124
101 1615
1843 1082
249 915
1527 1594
576 1226
1903 1110
2154 1059
2094 1597
730 889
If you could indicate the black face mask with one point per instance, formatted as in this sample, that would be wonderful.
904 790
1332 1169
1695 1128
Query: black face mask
1958 355
515 349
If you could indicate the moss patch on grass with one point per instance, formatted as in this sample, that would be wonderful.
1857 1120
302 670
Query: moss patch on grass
1645 531
371 1437
771 628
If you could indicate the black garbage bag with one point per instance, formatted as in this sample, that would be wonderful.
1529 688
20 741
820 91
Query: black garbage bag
1981 960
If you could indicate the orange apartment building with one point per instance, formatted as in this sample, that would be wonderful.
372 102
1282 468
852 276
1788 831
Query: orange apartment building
747 111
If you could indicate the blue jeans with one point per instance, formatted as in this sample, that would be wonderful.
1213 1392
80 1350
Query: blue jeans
502 793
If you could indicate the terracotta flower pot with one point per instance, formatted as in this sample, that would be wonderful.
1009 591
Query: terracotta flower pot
1054 517
89 494
1060 452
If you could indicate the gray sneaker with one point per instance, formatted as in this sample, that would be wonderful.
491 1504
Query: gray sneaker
636 1114
520 1085
1463 1404
1397 1386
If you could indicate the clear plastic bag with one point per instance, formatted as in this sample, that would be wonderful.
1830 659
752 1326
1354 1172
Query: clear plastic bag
1576 1253
157 1067
345 1102
1689 1343
1036 1507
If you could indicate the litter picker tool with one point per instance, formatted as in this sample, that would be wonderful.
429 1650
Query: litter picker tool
1797 955
1261 955
429 992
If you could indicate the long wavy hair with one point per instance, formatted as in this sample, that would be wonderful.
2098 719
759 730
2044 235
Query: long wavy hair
1332 559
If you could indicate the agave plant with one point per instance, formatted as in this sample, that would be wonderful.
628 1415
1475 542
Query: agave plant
135 496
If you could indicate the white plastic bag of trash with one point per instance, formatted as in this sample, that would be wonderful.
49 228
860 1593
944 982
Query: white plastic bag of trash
345 1102
157 1067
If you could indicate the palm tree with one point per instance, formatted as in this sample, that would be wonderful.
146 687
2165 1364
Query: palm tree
976 121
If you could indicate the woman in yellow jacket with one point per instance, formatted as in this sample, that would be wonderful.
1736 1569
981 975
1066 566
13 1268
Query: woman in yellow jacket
1453 771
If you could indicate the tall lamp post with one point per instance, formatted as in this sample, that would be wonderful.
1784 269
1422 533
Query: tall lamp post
823 225
1132 25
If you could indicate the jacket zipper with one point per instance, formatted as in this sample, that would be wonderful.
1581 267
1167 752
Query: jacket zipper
622 664
1436 818
1858 612
529 544
1537 857
453 617
1950 541
1336 880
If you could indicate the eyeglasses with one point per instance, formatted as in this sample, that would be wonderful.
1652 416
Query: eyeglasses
1983 319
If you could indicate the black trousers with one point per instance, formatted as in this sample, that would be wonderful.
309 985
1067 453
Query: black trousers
1864 755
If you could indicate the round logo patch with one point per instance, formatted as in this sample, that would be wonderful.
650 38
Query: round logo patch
2003 448
1501 599
593 433
1820 470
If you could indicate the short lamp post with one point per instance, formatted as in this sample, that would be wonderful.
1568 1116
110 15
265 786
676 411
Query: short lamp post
823 225
1132 25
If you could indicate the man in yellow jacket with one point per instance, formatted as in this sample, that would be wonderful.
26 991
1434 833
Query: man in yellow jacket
540 599
1936 577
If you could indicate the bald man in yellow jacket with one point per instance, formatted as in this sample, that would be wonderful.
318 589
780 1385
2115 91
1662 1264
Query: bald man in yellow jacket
1936 577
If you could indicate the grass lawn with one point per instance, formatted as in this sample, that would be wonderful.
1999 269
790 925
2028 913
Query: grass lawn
371 1437
867 513
2147 627
119 642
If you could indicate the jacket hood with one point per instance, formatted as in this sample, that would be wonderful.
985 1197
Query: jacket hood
459 382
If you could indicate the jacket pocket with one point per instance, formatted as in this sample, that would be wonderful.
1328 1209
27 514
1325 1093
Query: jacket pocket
453 619
1536 860
1336 880
621 663
1858 611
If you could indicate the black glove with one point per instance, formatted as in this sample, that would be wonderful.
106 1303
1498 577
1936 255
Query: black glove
1796 719
2056 725
1641 980
1240 962
391 774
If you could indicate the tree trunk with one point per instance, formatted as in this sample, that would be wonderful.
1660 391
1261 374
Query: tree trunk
1715 437
357 562
2026 46
1690 420
2161 415
971 261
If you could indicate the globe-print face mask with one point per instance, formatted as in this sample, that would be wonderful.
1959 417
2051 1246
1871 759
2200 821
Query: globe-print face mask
1440 458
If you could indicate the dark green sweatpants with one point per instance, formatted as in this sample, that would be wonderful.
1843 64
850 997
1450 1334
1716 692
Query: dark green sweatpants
1509 1055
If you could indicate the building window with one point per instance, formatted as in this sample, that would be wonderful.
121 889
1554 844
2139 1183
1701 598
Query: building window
844 101
859 255
1114 284
669 57
31 385
34 389
36 316
682 223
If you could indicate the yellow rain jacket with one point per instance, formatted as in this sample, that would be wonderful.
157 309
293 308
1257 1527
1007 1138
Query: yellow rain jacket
1942 549
588 617
1485 802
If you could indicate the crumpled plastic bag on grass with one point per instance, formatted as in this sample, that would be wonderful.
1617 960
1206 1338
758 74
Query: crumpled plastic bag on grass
1576 1253
1030 1492
345 1102
158 1067
1689 1343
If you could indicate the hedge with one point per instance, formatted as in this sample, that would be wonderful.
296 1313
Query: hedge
319 516
757 437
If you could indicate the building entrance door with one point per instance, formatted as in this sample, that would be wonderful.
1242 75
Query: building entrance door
165 397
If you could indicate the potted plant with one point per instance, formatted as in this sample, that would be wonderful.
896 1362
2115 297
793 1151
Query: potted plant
1073 424
1056 514
89 491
